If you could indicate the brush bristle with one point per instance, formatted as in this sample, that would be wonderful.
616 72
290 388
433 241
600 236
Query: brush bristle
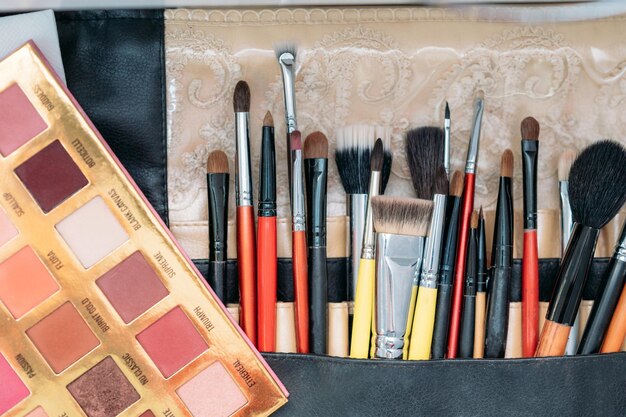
481 217
474 221
424 150
565 164
447 115
295 140
377 156
597 183
286 47
506 164
530 129
316 146
268 120
352 155
401 216
441 184
456 184
217 163
241 98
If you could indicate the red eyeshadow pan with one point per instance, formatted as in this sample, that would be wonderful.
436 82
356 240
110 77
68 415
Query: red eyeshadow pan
19 121
12 389
51 176
172 342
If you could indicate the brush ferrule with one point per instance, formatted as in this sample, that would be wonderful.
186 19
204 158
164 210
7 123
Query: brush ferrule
472 150
243 171
432 247
369 237
446 145
620 248
357 207
481 274
267 176
566 214
218 185
298 209
316 174
471 264
398 259
287 64
502 249
530 152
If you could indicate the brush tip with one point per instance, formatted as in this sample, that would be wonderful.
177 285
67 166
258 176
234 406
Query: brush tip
506 164
424 150
286 51
456 184
481 217
530 128
316 146
441 184
241 98
447 115
565 164
474 222
217 163
401 216
268 120
377 158
295 140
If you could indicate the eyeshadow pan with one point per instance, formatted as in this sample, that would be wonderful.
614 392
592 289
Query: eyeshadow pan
37 412
19 120
172 342
51 176
7 230
12 389
25 282
62 337
212 392
132 287
92 232
103 391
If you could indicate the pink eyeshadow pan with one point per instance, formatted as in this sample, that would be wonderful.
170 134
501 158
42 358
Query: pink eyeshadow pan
172 342
37 412
19 121
132 287
7 230
12 389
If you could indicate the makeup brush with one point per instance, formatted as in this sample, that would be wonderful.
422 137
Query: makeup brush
424 316
444 287
217 179
497 321
446 141
267 258
606 300
246 242
364 299
468 318
616 332
299 246
481 289
401 225
597 189
530 259
316 174
466 213
565 164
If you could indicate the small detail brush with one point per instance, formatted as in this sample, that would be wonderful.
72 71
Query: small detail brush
468 318
597 189
446 141
481 289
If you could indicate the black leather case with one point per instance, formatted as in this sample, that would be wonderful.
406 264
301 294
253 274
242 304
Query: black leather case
114 63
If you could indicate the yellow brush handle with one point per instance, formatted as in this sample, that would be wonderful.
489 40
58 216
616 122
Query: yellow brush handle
363 302
409 322
423 324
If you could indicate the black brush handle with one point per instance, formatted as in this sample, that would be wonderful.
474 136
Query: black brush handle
466 339
217 278
318 309
442 320
497 325
602 310
530 151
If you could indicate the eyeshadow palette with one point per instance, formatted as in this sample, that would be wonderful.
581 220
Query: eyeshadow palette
101 313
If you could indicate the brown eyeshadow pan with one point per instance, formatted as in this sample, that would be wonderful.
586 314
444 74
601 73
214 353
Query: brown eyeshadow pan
103 391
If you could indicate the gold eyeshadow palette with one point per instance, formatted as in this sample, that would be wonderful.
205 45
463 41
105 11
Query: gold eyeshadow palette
101 313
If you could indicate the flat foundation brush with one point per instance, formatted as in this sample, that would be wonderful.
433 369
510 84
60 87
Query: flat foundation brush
597 186
468 317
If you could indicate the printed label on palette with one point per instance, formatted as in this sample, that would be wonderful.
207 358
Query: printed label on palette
26 366
13 204
124 209
135 368
83 153
95 316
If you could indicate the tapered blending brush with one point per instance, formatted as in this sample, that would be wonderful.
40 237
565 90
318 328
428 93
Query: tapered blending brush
424 315
468 317
316 175
565 164
217 179
466 214
267 258
246 242
597 190
497 322
446 141
530 259
401 226
446 274
364 298
481 289
616 332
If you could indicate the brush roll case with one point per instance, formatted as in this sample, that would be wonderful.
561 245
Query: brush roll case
114 62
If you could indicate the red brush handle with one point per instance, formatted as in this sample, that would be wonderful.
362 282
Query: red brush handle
266 283
530 294
246 265
301 290
459 269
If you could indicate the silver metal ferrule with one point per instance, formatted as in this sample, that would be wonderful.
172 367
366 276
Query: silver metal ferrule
567 221
620 248
446 145
243 171
357 207
472 150
298 207
397 260
368 246
287 64
429 274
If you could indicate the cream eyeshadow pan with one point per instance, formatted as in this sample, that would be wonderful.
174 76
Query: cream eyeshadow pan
102 313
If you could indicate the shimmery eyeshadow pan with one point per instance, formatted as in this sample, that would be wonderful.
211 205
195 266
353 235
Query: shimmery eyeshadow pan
103 391
92 232
19 120
51 176
7 230
12 389
37 412
132 287
212 392
25 282
62 337
172 342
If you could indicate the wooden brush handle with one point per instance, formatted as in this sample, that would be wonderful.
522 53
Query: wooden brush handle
614 338
246 258
530 294
301 290
479 325
553 339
